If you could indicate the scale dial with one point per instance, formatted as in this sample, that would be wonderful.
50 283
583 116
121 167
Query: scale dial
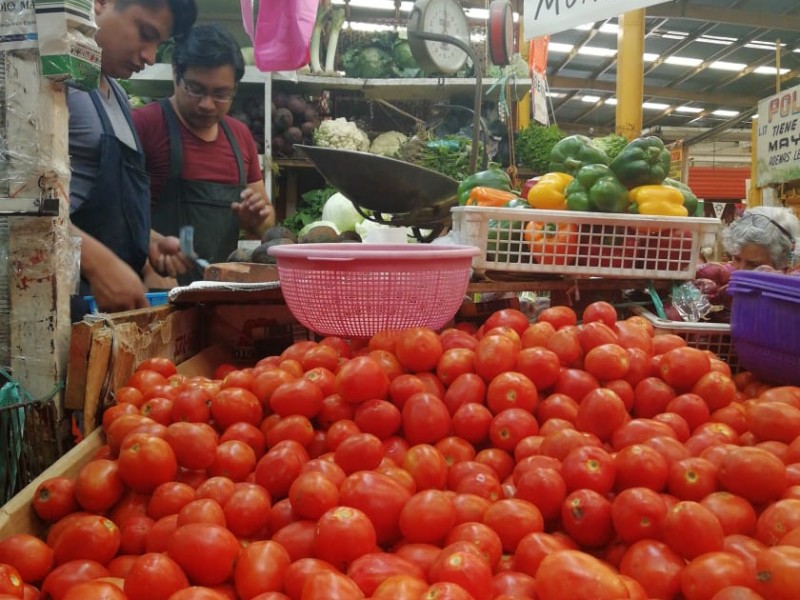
501 32
444 17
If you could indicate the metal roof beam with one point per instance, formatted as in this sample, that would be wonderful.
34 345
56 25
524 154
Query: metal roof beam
746 18
558 82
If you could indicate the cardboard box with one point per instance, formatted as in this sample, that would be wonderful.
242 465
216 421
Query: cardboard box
242 327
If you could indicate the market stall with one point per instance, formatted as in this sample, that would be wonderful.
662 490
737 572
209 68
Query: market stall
431 384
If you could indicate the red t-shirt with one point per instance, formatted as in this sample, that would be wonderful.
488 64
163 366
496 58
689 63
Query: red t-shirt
204 161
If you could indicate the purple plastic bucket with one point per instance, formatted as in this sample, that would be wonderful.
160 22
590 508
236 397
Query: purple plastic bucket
765 324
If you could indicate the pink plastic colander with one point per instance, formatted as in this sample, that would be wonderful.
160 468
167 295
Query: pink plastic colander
357 290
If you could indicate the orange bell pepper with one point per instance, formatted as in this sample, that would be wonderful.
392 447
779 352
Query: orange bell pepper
488 196
552 243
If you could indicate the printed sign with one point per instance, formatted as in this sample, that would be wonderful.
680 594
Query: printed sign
537 60
778 138
543 17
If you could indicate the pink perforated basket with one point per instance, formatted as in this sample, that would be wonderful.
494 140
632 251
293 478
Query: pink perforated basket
357 290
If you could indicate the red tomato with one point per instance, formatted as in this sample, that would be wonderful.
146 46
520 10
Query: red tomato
123 408
330 585
193 444
32 558
537 334
234 404
400 587
511 390
128 395
247 510
510 426
471 421
691 530
600 311
683 367
714 571
486 539
589 467
54 498
495 354
88 537
297 538
233 459
298 572
370 570
558 316
575 383
378 417
601 412
508 317
203 593
418 349
586 517
260 568
753 473
638 513
656 566
692 478
566 345
512 519
154 576
607 361
343 534
279 467
205 552
145 379
360 379
776 520
312 494
427 517
298 397
97 590
98 485
266 382
466 569
202 510
544 488
640 465
588 577
455 449
11 584
216 488
296 428
359 452
426 419
145 462
63 577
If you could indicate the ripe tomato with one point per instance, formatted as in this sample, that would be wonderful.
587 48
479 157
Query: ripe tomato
378 417
601 412
716 388
558 316
233 459
495 354
378 496
640 465
145 462
566 345
247 510
359 452
279 467
656 566
588 467
691 530
32 558
683 367
234 404
714 571
537 334
202 510
370 570
427 517
98 485
426 419
71 573
755 474
298 397
588 577
297 538
55 498
145 379
343 534
400 587
89 537
418 349
600 311
155 576
206 553
196 592
607 361
512 519
575 383
692 478
97 590
330 585
313 493
638 513
296 428
260 568
361 378
466 569
586 517
776 520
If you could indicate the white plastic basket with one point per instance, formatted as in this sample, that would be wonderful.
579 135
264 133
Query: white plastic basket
715 337
600 244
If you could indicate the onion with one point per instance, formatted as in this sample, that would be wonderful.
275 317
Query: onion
714 271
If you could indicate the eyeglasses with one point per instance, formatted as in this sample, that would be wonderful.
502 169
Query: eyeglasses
197 92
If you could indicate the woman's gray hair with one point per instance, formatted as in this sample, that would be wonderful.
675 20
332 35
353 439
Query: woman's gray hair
772 227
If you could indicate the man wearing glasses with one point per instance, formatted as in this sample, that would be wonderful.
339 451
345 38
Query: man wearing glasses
203 164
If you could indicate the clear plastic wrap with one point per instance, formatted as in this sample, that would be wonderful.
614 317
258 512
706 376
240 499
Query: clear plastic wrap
692 304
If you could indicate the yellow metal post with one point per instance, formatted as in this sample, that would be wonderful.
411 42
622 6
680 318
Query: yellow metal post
754 192
524 103
630 74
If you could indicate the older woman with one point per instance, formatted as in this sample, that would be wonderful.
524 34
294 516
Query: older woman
762 236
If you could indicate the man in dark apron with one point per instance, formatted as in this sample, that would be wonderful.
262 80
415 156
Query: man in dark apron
109 191
204 165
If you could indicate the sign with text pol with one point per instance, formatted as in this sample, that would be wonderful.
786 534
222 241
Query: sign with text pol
778 138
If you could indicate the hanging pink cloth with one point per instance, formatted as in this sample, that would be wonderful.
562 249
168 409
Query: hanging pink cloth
282 33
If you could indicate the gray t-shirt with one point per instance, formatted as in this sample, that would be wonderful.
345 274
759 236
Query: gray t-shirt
85 129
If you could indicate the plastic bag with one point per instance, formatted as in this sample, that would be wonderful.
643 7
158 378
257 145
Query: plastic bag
282 33
690 302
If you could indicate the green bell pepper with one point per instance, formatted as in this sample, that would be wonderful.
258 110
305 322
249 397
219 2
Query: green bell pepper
596 189
493 178
689 199
644 161
573 152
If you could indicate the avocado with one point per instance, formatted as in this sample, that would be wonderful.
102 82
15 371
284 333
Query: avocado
278 231
261 254
349 236
321 234
241 255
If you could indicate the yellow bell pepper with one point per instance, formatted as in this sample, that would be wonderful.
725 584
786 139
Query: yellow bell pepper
488 196
548 192
660 200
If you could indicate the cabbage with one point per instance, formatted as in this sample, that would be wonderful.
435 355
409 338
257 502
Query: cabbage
339 210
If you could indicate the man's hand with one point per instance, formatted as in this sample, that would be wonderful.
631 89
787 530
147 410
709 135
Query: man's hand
254 210
117 287
166 257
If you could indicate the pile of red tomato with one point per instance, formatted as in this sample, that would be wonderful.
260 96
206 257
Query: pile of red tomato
515 461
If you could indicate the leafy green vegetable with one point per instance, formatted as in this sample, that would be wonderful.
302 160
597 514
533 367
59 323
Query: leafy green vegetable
534 144
377 55
611 144
449 155
309 208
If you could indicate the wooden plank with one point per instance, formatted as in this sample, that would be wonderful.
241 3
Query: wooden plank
78 364
241 272
96 378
